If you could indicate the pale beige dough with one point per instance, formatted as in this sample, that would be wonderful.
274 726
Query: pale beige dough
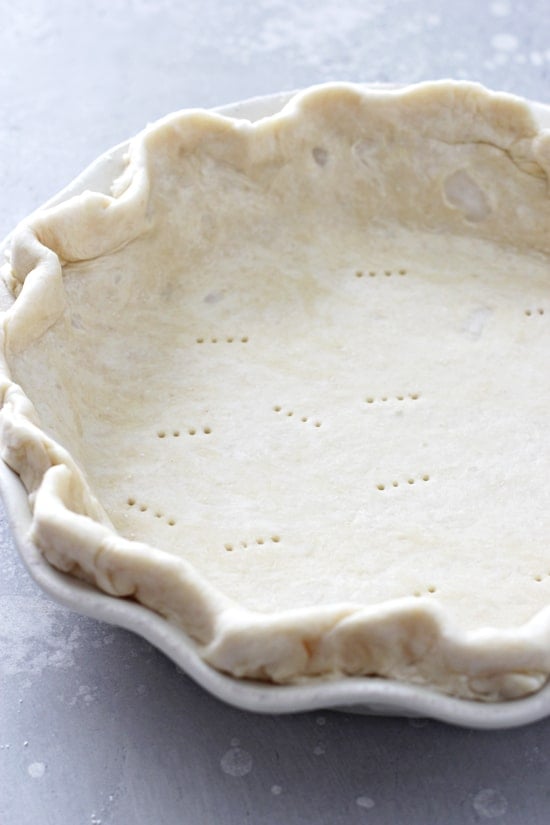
307 362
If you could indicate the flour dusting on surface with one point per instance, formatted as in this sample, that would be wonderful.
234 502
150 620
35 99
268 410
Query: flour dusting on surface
500 8
35 644
36 770
236 762
490 803
505 42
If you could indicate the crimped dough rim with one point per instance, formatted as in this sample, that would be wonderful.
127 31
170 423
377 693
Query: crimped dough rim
404 639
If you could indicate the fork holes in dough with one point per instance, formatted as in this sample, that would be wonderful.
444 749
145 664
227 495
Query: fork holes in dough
388 273
431 589
320 155
395 483
144 508
412 396
229 339
259 541
304 419
190 431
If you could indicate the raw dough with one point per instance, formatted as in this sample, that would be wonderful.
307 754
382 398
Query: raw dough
290 386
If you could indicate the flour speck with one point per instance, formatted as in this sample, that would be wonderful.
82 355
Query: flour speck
504 42
276 790
36 770
236 762
500 8
365 802
319 749
321 720
433 21
490 803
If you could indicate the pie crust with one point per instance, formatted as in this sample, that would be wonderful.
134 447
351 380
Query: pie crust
288 386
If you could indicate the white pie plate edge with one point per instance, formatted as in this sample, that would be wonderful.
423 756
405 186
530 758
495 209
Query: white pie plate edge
358 695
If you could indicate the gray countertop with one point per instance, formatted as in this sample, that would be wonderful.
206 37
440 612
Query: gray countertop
96 726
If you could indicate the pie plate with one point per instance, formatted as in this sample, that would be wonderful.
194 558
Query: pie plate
370 695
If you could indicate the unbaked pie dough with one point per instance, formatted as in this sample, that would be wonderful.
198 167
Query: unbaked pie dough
289 386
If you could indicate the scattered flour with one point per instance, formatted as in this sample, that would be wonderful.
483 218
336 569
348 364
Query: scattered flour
500 8
236 762
365 802
504 42
490 803
39 636
36 770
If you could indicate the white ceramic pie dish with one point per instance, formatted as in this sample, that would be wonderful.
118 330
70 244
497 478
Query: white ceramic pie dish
362 695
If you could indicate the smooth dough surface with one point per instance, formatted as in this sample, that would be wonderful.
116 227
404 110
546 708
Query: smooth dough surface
290 386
